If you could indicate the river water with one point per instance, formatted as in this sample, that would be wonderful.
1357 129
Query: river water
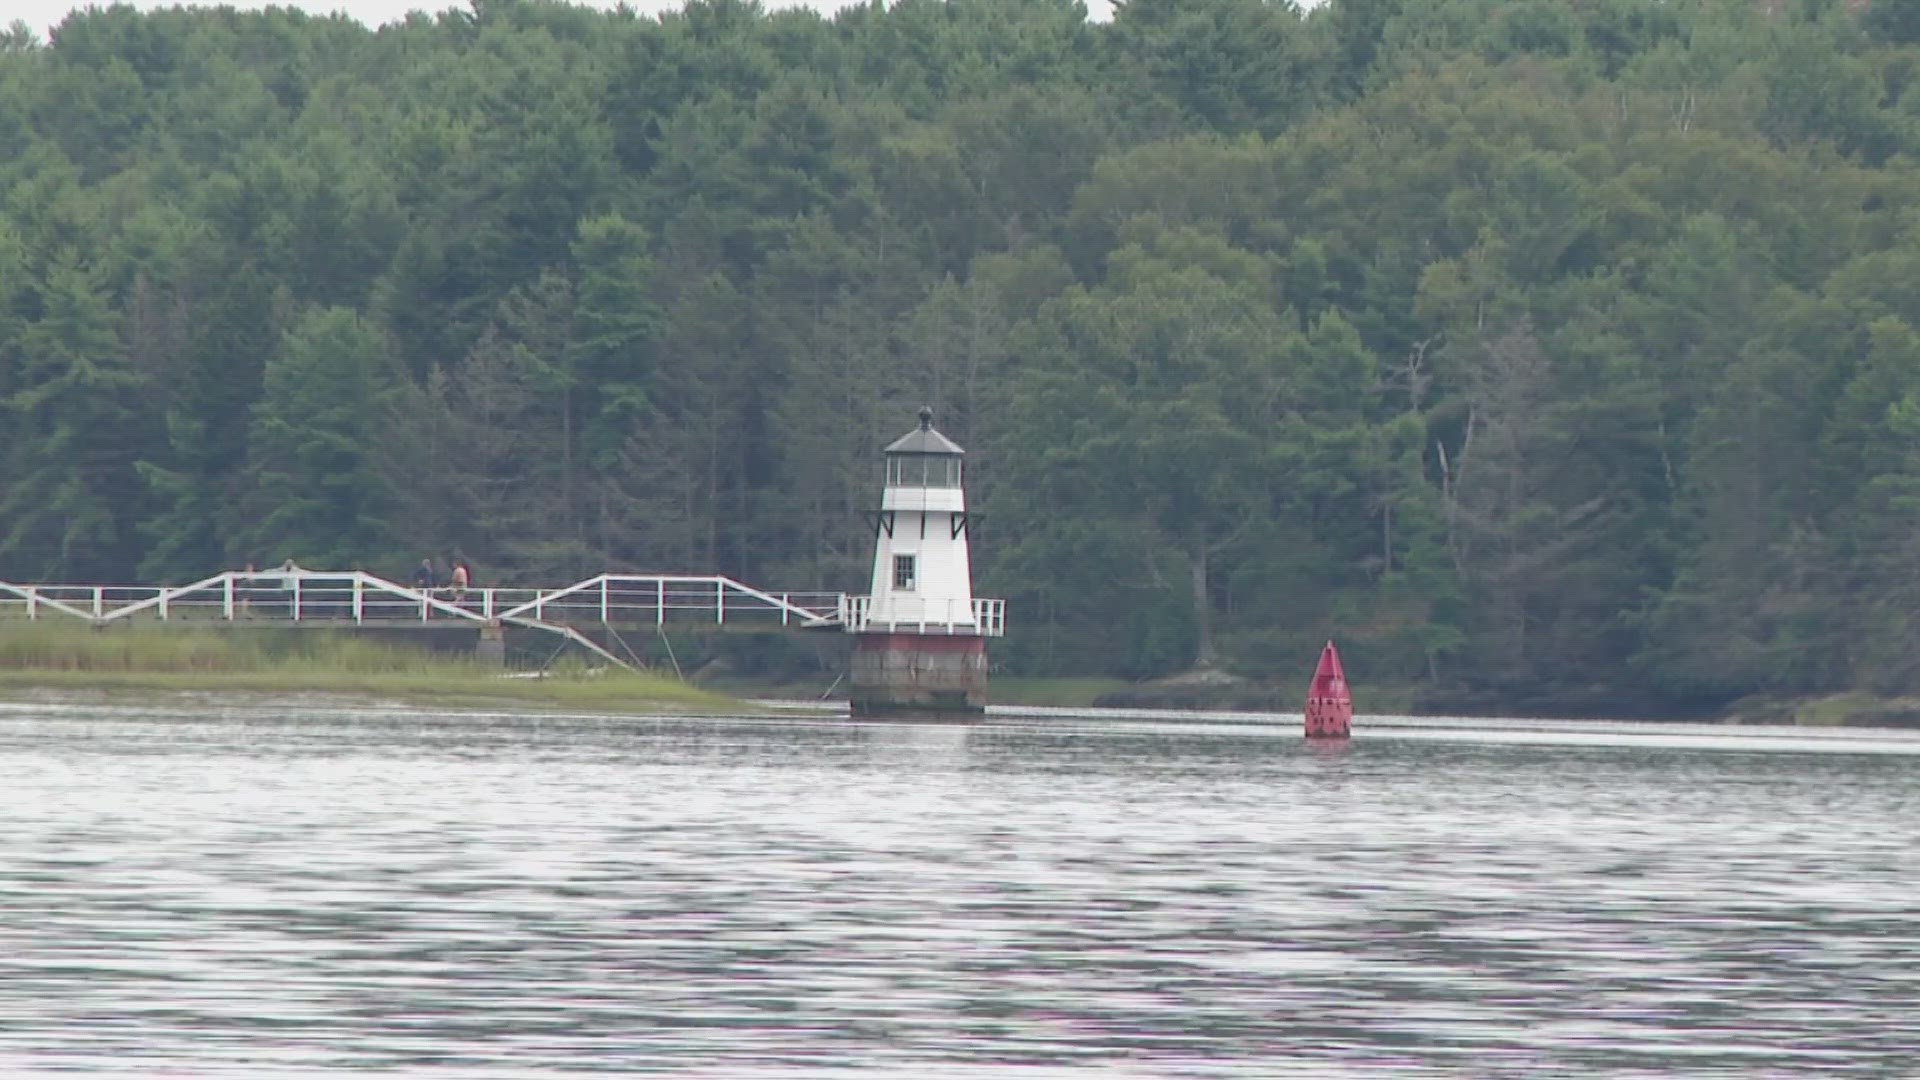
224 891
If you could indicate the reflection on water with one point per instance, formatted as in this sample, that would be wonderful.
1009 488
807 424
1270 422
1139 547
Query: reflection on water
251 893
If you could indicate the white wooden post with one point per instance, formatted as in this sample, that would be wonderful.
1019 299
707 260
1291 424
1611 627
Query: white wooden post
603 599
359 599
296 596
99 601
33 603
659 601
163 605
486 603
720 600
226 598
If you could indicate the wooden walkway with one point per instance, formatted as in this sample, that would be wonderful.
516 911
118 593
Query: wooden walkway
301 597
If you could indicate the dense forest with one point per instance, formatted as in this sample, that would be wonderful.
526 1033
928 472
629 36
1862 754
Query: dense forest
1528 346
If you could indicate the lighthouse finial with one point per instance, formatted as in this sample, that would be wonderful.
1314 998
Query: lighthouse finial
926 417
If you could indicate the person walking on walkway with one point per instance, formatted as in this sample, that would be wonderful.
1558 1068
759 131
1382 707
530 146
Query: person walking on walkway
461 575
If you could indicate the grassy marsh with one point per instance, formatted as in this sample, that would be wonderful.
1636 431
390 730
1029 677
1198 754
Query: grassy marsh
71 656
1056 693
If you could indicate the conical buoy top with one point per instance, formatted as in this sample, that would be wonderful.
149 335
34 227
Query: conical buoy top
1328 675
1329 702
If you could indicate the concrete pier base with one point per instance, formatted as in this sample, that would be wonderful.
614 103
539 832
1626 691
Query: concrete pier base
492 646
918 675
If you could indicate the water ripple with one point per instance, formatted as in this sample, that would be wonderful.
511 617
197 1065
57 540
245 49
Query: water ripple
246 893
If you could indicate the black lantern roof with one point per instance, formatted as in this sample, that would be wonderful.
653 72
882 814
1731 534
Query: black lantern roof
924 440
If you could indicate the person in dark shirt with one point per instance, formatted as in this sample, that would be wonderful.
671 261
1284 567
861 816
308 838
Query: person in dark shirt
424 577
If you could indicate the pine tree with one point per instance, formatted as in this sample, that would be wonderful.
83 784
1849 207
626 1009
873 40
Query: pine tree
314 489
78 420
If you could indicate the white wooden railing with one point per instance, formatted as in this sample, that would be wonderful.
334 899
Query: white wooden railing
302 595
298 595
986 618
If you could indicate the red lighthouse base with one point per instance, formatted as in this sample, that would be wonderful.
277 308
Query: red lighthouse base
918 675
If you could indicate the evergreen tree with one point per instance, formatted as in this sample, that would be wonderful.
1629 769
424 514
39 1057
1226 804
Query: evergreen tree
77 421
314 491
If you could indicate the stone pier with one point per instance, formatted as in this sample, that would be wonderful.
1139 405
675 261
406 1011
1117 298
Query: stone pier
492 646
918 675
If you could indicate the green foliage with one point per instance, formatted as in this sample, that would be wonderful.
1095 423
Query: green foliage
615 322
1228 65
1526 346
1893 21
1151 397
76 410
313 486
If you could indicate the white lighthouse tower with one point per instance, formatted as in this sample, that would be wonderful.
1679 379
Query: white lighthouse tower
920 634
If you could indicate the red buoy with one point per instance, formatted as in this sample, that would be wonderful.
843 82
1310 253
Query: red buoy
1329 704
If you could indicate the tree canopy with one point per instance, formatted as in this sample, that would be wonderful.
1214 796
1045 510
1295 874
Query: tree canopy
1540 348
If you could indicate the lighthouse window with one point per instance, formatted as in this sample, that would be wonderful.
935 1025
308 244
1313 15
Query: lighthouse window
906 472
903 572
932 472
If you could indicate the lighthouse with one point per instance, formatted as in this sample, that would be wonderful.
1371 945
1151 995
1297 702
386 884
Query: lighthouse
920 635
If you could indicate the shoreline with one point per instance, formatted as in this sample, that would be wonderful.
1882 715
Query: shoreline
1835 709
646 696
274 669
634 695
